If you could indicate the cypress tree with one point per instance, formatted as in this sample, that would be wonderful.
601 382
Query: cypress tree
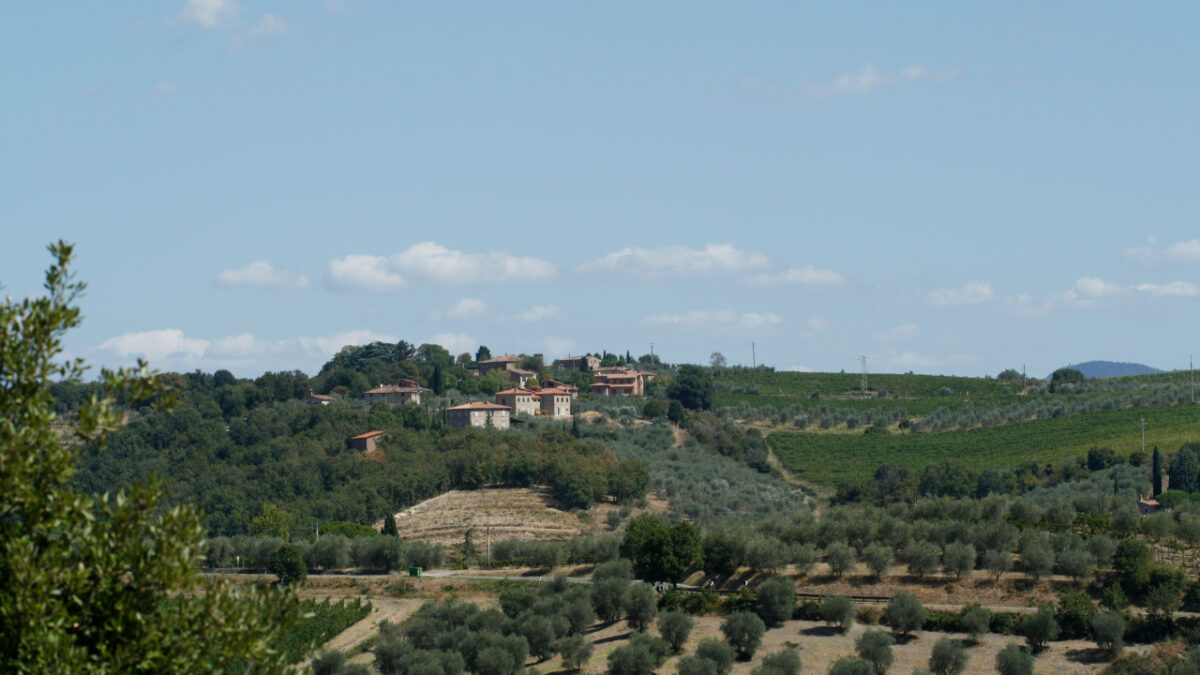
1156 472
389 525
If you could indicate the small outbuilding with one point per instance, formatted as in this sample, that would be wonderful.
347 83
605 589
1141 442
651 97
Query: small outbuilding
365 442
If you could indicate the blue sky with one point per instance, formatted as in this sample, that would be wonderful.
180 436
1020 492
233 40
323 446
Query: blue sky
943 188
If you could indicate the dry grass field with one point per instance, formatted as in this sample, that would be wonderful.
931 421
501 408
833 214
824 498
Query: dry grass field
510 513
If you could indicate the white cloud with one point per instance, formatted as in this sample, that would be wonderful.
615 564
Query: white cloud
1094 287
448 266
156 344
906 331
262 273
363 272
236 345
1185 251
869 78
708 318
210 13
1149 253
671 261
798 276
1180 289
539 313
165 87
466 308
817 323
558 346
972 293
754 320
455 343
912 360
267 26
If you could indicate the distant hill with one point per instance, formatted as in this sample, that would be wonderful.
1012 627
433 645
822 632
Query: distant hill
1103 369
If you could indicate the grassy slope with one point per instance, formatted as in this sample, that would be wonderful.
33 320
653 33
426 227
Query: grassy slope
830 458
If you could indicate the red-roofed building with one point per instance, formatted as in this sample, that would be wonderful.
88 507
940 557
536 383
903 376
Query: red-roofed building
559 384
479 414
318 399
365 442
620 382
555 402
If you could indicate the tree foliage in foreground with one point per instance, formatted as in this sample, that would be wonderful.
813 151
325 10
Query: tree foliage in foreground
101 584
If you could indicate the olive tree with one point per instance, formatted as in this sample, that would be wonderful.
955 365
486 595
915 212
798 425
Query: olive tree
1108 629
922 558
744 631
904 613
783 662
775 600
675 627
840 558
1012 660
875 647
947 658
1040 628
838 610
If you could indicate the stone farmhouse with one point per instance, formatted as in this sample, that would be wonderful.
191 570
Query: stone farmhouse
404 391
553 402
580 362
479 414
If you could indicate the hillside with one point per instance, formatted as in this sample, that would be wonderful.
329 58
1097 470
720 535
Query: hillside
1106 369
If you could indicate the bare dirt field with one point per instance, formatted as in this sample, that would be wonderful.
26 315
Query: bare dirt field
510 513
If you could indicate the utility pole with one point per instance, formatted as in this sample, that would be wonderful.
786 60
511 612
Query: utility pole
863 359
1143 435
489 546
753 356
652 351
1023 385
1191 379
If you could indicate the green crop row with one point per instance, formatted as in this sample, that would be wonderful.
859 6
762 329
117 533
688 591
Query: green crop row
904 385
324 621
832 458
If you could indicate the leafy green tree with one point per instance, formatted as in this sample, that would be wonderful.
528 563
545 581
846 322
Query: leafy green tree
904 613
783 662
1108 630
675 412
693 388
947 658
389 525
1012 660
608 599
1074 613
101 584
744 631
775 600
875 647
654 409
1156 473
287 564
329 663
482 354
675 627
838 610
1065 376
1185 471
719 554
641 606
271 521
661 551
1009 374
1040 628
